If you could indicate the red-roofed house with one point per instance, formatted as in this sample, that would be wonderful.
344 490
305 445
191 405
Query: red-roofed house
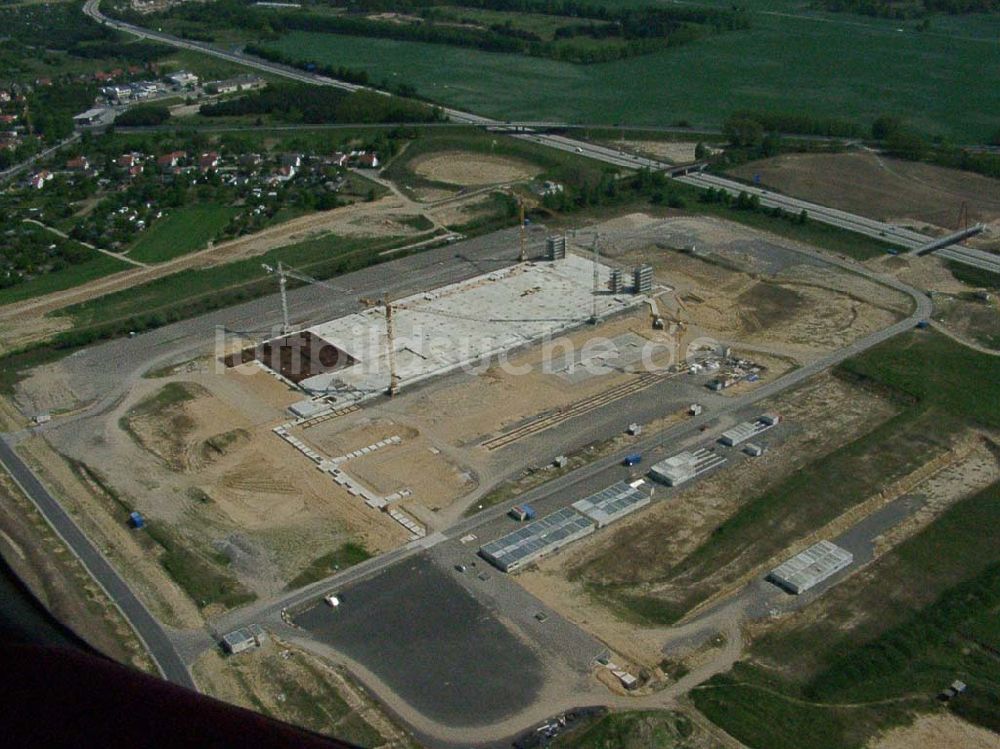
169 160
208 161
368 161
78 164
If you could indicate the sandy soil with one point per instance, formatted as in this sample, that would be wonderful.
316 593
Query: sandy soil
224 481
464 410
928 272
830 412
884 188
94 511
801 310
674 152
973 472
290 685
472 169
974 320
55 577
936 731
460 212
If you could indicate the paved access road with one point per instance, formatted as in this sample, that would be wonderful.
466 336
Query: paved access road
145 625
604 471
834 217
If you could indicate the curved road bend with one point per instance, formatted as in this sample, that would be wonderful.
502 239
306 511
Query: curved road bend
876 229
270 610
145 625
150 631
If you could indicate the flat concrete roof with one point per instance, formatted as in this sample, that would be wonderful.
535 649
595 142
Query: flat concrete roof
456 325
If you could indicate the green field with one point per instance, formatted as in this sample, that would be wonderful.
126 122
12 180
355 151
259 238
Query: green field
923 624
345 556
881 645
74 275
191 292
791 60
662 729
184 230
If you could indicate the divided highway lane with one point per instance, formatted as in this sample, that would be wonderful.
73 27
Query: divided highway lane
834 217
145 626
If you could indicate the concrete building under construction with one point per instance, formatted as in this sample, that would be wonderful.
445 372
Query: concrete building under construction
444 329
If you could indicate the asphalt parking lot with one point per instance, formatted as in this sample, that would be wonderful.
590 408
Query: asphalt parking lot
432 643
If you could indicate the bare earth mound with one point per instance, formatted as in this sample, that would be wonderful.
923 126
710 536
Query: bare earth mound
473 169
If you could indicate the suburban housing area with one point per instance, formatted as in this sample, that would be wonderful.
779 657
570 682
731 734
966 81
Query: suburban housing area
342 384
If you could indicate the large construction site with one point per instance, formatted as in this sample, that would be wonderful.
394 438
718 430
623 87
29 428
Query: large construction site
406 419
294 446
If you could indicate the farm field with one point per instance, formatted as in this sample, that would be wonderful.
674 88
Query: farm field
185 230
825 65
884 188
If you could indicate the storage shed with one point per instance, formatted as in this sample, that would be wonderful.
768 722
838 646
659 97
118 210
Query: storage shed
536 539
684 466
608 505
811 567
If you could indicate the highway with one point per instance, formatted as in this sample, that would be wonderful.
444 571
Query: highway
145 625
166 653
886 232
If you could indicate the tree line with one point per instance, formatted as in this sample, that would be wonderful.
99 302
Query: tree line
638 30
911 8
317 105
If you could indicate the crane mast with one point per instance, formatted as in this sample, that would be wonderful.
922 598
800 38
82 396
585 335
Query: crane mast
597 279
524 254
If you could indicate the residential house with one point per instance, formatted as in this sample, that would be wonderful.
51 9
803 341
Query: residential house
209 160
170 160
38 180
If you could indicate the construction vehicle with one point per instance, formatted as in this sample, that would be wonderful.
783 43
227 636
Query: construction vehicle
522 512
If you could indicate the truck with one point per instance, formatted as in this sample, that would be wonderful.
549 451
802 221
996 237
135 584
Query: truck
522 513
632 459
